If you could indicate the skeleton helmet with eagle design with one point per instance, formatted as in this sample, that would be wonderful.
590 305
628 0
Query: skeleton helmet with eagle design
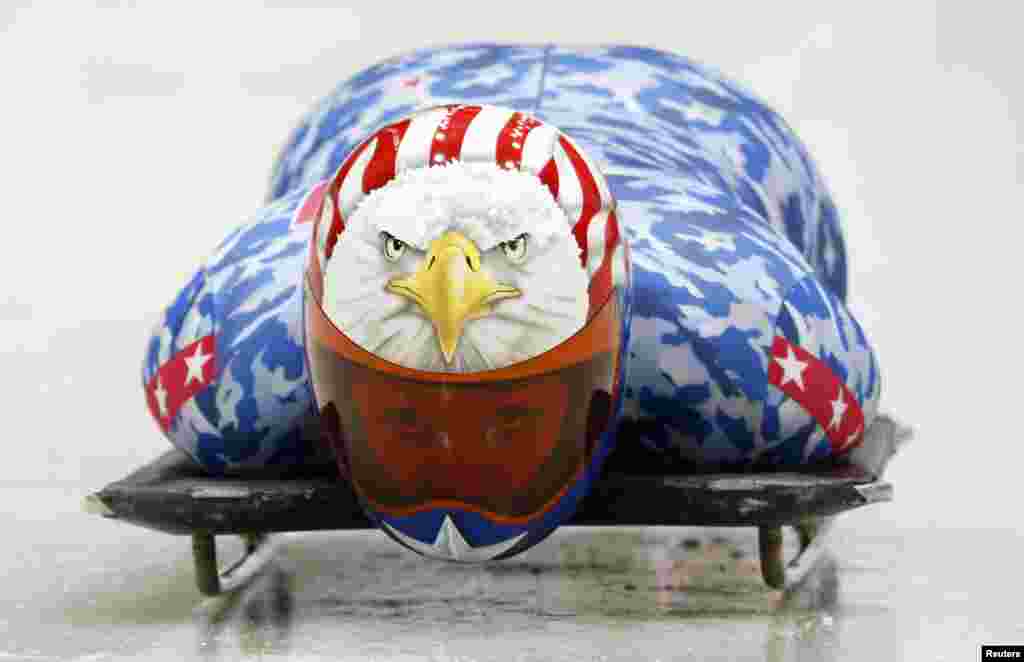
466 315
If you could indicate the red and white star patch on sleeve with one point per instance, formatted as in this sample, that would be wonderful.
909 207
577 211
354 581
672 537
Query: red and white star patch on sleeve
181 377
816 388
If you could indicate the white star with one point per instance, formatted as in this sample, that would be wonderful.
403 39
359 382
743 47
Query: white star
792 369
161 397
195 364
449 545
838 410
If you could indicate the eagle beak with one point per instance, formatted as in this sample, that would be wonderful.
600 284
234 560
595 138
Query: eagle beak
451 288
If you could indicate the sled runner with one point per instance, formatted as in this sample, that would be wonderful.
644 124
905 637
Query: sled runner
173 495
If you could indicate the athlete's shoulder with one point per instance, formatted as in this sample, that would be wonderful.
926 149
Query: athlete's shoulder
223 374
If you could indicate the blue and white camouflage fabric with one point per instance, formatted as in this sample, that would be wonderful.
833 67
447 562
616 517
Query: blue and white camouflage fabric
738 265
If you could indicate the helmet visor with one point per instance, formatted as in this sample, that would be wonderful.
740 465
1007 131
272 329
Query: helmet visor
506 443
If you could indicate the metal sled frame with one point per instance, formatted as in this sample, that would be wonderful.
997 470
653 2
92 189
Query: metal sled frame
173 495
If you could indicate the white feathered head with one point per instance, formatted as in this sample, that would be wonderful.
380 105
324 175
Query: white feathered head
461 246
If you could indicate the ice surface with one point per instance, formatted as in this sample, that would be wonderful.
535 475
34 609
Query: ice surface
134 139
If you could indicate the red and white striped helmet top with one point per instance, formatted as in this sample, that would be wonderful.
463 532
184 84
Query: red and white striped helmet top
485 134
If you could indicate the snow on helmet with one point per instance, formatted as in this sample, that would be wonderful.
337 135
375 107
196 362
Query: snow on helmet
466 314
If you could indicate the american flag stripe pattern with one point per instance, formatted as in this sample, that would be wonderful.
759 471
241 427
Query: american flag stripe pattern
180 378
479 145
381 168
815 386
596 228
350 185
336 222
450 133
590 197
522 148
513 140
419 139
570 189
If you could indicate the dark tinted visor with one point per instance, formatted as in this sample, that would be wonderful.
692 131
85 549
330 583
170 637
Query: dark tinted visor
506 442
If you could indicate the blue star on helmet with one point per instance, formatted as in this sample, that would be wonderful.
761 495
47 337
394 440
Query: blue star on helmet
451 545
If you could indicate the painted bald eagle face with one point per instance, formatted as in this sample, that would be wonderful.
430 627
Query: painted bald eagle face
462 267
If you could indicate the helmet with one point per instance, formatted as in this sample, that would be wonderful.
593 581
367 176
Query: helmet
455 459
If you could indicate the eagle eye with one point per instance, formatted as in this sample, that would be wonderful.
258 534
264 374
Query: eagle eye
515 250
393 248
